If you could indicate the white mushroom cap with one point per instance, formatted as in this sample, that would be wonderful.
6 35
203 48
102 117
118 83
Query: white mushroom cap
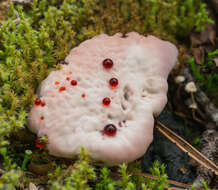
190 87
179 79
193 106
73 115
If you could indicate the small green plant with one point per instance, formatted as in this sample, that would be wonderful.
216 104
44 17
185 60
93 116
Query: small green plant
82 175
196 141
9 180
158 171
26 159
205 185
106 181
7 161
77 176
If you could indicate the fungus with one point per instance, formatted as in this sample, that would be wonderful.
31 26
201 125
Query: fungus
179 79
190 87
193 106
121 130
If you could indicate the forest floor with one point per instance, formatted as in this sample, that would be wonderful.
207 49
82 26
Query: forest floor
198 110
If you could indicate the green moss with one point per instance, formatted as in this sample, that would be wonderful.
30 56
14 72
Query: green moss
208 81
33 41
9 180
82 175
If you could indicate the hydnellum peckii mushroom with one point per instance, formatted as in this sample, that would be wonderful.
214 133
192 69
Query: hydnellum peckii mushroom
105 98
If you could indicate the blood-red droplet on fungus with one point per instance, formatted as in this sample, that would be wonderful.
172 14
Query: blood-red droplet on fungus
68 78
37 102
109 130
42 117
107 63
61 89
120 124
106 101
42 103
113 82
83 95
39 143
57 83
73 82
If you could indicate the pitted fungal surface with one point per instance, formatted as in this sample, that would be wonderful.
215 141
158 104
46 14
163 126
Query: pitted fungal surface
105 98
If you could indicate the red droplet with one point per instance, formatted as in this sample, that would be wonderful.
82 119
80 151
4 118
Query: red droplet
83 95
57 83
113 82
42 117
68 78
42 103
39 143
70 72
106 101
37 102
109 130
120 124
73 82
61 89
107 63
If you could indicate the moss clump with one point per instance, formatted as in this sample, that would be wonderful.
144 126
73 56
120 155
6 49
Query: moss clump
32 42
82 175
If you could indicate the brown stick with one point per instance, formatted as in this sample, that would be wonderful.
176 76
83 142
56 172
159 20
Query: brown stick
186 147
172 182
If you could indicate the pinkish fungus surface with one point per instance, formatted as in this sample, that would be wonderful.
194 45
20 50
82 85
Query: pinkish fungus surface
132 71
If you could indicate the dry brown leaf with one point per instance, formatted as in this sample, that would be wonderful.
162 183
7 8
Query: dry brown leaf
199 54
206 36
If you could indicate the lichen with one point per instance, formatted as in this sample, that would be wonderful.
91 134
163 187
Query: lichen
33 41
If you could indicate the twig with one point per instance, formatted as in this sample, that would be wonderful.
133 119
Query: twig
186 147
171 182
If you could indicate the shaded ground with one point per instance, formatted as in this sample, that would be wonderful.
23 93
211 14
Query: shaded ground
166 152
